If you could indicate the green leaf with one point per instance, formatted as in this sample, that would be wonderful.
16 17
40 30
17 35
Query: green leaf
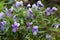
6 29
1 5
42 31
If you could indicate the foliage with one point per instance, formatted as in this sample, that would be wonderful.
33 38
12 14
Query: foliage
45 23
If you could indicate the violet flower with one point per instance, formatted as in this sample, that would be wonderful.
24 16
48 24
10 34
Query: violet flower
48 37
9 14
19 3
56 26
2 25
2 15
15 26
30 11
35 30
31 16
48 11
29 24
11 9
34 6
2 28
39 3
15 17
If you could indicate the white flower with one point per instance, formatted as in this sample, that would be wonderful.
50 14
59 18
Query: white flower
28 5
54 8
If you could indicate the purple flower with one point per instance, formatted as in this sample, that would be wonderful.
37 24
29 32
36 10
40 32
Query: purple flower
2 15
11 9
56 26
48 11
54 9
30 11
29 24
32 16
15 17
9 14
15 26
39 3
19 3
48 36
34 6
2 25
2 28
35 30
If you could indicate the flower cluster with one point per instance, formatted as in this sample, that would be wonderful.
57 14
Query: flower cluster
31 17
49 10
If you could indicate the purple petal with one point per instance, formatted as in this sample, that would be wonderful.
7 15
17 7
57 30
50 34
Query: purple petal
14 30
2 15
11 9
2 28
35 29
39 3
34 33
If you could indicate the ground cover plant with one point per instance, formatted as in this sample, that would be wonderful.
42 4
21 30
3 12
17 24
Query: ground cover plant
30 22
